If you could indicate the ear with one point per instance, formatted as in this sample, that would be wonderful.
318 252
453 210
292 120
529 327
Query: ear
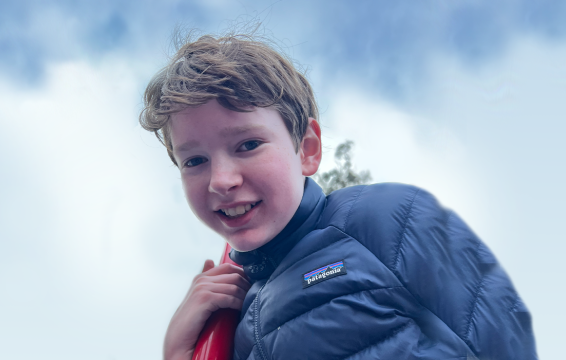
311 148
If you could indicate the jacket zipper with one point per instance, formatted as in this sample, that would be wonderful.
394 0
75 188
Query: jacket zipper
256 324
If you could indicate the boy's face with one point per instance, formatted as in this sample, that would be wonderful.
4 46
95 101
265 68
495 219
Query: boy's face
239 170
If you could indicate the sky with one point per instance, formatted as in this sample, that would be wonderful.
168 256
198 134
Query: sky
97 244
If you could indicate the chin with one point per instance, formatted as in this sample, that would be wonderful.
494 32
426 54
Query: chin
245 243
244 246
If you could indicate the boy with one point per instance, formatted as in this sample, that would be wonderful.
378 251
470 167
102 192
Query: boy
368 272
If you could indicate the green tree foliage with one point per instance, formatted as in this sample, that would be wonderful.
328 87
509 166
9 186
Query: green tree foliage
343 175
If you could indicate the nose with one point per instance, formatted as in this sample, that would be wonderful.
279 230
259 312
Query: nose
224 177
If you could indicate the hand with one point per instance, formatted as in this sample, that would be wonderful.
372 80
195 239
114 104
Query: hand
224 286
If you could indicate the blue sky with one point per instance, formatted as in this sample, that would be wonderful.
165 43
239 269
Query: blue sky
393 42
97 244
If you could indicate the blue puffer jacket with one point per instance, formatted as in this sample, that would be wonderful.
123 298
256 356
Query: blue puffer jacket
378 272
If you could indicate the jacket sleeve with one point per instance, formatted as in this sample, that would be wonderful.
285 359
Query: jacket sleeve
444 265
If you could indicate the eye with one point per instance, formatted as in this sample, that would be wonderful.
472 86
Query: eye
195 161
249 145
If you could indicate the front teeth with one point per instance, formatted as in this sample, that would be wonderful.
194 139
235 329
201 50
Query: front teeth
238 210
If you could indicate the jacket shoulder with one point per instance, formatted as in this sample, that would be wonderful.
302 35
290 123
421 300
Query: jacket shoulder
367 212
440 261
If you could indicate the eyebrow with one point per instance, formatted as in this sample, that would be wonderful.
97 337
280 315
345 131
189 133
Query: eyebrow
232 131
237 130
186 146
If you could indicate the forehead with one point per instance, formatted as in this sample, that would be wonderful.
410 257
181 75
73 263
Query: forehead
213 121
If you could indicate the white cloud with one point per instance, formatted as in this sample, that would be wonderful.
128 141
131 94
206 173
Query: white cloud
99 246
396 146
511 113
488 143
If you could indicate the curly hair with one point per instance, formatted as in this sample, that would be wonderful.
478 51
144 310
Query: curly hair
240 72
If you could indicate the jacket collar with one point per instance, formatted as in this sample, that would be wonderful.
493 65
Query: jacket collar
260 263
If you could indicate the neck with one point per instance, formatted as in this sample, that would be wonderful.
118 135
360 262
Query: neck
260 263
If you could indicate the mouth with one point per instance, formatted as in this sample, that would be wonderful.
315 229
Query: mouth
238 211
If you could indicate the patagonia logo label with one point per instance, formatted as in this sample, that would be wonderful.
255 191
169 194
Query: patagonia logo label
324 273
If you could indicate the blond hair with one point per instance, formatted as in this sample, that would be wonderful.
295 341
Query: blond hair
238 71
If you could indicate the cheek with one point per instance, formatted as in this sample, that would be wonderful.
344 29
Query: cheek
277 174
284 162
195 197
283 178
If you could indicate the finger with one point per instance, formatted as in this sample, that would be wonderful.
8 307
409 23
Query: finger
225 269
203 294
223 301
233 279
211 302
208 264
211 290
210 297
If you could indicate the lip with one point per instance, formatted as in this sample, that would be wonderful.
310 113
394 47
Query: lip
239 221
233 205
